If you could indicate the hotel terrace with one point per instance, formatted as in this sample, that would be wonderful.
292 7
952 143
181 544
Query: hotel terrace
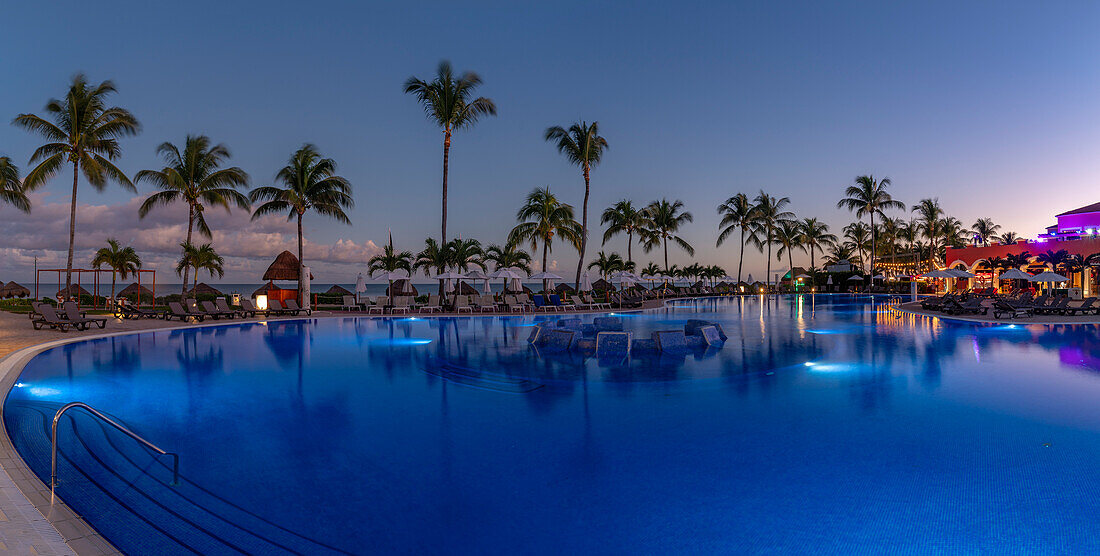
1076 232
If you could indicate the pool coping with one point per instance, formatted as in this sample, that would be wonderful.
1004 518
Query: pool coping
74 530
908 308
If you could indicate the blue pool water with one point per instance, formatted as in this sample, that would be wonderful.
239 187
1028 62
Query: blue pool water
826 424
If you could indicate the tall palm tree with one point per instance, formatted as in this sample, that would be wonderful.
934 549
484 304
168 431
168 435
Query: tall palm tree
199 258
623 217
390 260
666 218
434 257
815 236
859 236
789 237
737 213
606 264
508 255
868 197
651 269
1008 238
541 217
928 218
447 102
85 133
841 251
11 188
123 261
583 146
985 231
769 213
309 182
194 177
465 253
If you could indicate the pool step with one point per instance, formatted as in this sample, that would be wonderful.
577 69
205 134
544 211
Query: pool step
466 376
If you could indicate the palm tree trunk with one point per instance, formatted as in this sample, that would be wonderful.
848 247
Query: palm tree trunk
741 260
72 232
768 271
113 284
666 254
301 260
871 265
629 240
446 163
190 226
545 251
584 229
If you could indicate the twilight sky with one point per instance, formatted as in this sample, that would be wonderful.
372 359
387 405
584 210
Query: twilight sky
992 107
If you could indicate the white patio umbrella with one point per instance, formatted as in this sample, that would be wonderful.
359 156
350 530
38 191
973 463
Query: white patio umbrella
1014 274
879 277
855 278
1048 276
448 276
586 282
959 273
938 274
360 286
513 274
479 275
546 277
389 276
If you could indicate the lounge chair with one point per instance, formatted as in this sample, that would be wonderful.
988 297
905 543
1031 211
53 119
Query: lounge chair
525 301
293 308
350 304
48 317
596 305
1087 306
555 300
225 308
1002 308
462 302
176 311
513 304
276 308
580 303
80 320
1057 306
209 308
250 310
970 306
133 312
400 304
431 306
379 305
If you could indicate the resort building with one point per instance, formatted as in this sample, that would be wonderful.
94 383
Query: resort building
1075 232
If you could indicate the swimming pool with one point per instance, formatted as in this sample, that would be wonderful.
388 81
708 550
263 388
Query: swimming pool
824 424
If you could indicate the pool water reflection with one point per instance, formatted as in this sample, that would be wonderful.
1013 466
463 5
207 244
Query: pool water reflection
824 424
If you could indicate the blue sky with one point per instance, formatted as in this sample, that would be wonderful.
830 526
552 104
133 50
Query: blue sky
990 106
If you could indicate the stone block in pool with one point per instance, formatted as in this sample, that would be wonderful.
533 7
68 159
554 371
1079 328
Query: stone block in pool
643 344
558 339
694 341
670 340
613 343
535 335
711 336
693 326
608 324
570 324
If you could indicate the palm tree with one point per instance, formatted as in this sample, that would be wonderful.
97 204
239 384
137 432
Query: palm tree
200 258
1008 238
666 218
122 260
869 197
434 257
85 133
789 237
651 269
446 101
769 213
985 230
858 236
194 177
309 183
541 217
11 188
928 218
815 236
1018 260
464 253
606 264
891 230
622 217
508 256
1055 259
738 213
583 146
390 260
841 252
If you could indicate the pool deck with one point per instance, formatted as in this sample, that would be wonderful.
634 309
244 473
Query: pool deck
914 307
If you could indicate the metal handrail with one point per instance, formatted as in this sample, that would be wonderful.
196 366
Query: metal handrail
109 421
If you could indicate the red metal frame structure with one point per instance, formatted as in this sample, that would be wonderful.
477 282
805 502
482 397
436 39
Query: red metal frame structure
95 281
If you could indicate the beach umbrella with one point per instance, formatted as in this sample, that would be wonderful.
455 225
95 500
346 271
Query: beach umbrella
879 277
1048 276
448 276
389 276
750 278
479 275
938 274
1014 274
855 278
959 273
586 282
828 282
546 277
513 274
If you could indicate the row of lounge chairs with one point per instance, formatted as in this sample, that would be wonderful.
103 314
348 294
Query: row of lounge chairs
1009 306
219 309
44 315
508 303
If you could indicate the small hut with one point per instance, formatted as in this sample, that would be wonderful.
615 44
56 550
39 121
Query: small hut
467 289
402 286
202 288
266 289
602 285
11 289
338 290
284 267
134 291
564 289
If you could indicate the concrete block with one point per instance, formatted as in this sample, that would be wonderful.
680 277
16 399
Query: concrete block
670 340
611 343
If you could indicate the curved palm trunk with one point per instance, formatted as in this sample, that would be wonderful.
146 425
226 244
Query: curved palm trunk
190 227
72 232
871 265
446 163
666 253
629 240
301 259
584 230
768 271
741 260
790 265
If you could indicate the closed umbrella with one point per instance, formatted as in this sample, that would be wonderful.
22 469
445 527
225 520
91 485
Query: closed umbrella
479 275
360 286
448 276
586 282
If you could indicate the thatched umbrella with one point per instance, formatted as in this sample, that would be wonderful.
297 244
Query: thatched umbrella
285 267
403 287
11 289
134 290
265 288
205 289
602 285
73 291
337 290
563 289
467 289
